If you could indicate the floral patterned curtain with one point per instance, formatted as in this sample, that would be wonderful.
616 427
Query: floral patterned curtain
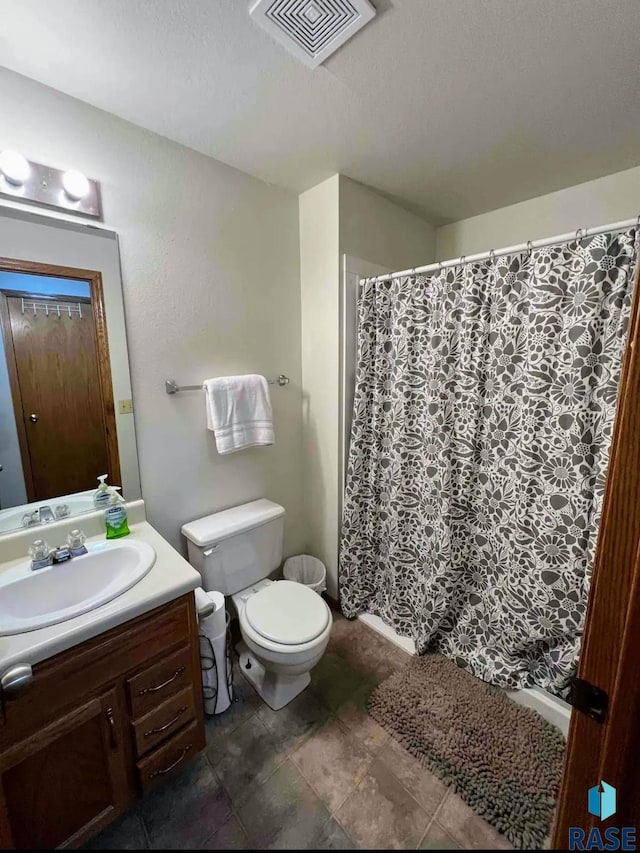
484 405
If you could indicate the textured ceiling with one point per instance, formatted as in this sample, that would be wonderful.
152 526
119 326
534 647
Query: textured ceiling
452 106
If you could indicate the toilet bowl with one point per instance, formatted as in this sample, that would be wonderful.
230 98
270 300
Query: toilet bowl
285 626
285 629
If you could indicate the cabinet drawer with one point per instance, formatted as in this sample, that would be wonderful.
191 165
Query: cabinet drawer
153 685
171 755
164 721
73 675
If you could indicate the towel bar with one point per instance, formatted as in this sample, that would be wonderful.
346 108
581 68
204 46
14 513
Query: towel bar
172 387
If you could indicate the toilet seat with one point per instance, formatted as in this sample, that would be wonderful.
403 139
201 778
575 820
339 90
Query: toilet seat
287 613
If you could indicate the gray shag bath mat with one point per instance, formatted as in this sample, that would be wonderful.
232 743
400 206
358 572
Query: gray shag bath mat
504 760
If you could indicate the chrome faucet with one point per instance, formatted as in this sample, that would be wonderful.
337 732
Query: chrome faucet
42 556
46 514
40 515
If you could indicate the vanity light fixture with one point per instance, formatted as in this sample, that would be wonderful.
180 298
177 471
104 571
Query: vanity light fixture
68 190
14 167
76 185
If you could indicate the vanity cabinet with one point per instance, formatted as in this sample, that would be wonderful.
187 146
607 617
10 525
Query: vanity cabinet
101 723
68 776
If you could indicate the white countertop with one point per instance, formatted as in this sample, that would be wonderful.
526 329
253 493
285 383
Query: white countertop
170 577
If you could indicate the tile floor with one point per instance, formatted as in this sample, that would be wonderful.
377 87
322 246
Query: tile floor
319 774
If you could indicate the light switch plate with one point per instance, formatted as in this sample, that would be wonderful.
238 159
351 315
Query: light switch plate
125 407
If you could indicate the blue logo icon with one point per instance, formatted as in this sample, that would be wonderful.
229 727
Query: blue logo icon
602 800
602 803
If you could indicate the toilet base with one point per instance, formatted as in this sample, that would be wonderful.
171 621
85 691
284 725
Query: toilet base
276 689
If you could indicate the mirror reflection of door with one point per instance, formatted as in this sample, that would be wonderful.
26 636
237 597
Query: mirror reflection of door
56 366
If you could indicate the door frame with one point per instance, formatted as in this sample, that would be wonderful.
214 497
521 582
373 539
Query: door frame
610 650
94 279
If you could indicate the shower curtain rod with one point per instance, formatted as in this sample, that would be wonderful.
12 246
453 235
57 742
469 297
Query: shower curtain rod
509 250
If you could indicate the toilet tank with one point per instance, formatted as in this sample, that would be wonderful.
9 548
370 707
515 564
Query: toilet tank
237 547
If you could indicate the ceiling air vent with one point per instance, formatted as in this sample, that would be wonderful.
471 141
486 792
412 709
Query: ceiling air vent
312 29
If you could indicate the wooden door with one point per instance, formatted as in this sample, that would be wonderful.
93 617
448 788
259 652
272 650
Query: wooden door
64 782
609 749
59 393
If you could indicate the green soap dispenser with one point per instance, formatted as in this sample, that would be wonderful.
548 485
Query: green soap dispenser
115 515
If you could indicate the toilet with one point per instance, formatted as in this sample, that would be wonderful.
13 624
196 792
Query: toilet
285 626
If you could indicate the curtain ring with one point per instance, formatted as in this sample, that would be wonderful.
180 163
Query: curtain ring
529 248
440 263
492 255
578 235
462 260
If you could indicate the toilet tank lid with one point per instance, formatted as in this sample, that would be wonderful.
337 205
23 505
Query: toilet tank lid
229 522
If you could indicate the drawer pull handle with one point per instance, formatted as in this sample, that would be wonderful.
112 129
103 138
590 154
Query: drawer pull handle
112 728
155 689
171 766
167 725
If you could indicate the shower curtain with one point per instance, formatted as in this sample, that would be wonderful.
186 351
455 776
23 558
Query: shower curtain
484 405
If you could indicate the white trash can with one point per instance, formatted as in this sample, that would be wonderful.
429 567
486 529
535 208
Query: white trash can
307 570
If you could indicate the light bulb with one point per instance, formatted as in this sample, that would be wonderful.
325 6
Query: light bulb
75 184
14 167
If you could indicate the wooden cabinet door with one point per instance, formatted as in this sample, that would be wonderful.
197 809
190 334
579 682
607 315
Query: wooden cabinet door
59 786
59 392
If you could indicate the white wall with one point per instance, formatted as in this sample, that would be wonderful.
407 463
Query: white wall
319 277
609 199
211 286
377 230
339 217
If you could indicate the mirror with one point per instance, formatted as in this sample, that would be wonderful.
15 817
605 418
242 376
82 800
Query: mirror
65 394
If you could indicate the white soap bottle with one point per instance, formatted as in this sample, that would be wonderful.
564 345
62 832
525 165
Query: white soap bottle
102 494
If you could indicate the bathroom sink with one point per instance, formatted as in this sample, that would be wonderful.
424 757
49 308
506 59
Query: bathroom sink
34 599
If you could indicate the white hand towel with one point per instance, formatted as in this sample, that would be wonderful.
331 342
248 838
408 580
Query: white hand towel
239 412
